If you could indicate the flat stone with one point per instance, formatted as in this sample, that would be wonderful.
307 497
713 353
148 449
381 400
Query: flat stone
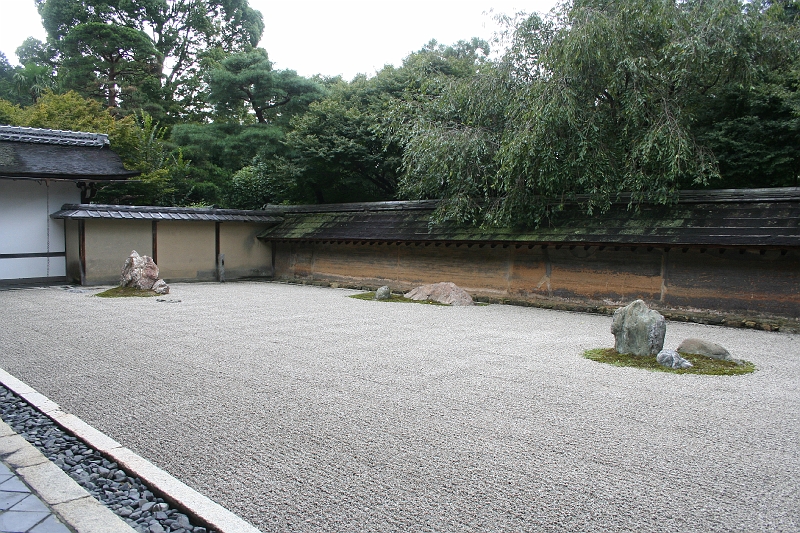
20 520
87 515
52 484
50 525
445 292
25 456
705 348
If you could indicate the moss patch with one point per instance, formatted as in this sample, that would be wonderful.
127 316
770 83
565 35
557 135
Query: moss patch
702 364
125 292
394 298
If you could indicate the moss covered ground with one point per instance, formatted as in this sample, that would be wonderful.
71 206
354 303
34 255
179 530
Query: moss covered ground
125 292
702 364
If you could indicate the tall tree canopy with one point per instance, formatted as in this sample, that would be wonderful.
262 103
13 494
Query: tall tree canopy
601 98
245 82
180 33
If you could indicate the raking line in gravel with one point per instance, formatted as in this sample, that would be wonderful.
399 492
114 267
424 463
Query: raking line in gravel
173 490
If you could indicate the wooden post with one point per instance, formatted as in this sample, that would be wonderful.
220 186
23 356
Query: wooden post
155 242
220 256
82 250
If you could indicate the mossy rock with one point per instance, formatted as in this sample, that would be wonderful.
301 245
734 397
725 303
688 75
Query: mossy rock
702 364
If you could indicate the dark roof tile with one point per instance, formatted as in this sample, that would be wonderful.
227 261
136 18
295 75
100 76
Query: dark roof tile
84 211
756 217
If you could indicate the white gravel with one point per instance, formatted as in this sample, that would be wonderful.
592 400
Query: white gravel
303 410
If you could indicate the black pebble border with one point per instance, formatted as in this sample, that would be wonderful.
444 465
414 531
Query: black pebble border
126 495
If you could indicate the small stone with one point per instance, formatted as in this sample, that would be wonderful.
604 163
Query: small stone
160 507
199 530
672 359
160 287
147 506
160 515
182 521
155 527
383 293
124 511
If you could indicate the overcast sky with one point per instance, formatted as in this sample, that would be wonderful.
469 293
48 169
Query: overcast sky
344 37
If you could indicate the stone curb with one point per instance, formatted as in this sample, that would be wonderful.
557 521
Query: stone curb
69 501
171 489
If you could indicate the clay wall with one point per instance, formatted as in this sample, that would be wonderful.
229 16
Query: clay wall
245 255
107 244
749 282
183 250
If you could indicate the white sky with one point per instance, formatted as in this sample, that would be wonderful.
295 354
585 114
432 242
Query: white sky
344 37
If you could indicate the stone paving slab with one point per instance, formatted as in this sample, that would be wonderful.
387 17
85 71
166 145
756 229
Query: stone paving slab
38 497
300 409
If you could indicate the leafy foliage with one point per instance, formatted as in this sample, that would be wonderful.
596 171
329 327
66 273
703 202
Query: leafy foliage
179 34
598 98
107 61
246 82
601 98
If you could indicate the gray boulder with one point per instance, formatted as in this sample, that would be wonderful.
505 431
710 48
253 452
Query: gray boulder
638 330
383 293
141 272
672 359
445 292
706 348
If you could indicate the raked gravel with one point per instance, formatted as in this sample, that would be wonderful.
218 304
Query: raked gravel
303 410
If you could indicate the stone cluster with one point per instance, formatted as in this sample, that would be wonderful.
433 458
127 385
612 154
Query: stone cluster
141 272
124 494
639 330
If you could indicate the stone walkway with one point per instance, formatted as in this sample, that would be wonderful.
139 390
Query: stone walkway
303 410
21 510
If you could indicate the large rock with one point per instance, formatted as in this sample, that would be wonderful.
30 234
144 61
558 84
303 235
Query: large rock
141 272
383 293
672 359
445 292
638 330
706 348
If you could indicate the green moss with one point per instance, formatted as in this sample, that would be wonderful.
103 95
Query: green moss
702 364
394 298
125 292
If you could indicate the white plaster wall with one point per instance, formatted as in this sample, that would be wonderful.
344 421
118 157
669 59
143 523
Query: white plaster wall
26 226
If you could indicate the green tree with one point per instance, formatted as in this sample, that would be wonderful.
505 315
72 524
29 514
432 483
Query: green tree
600 99
6 78
182 34
342 149
339 150
246 83
142 144
107 61
139 140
